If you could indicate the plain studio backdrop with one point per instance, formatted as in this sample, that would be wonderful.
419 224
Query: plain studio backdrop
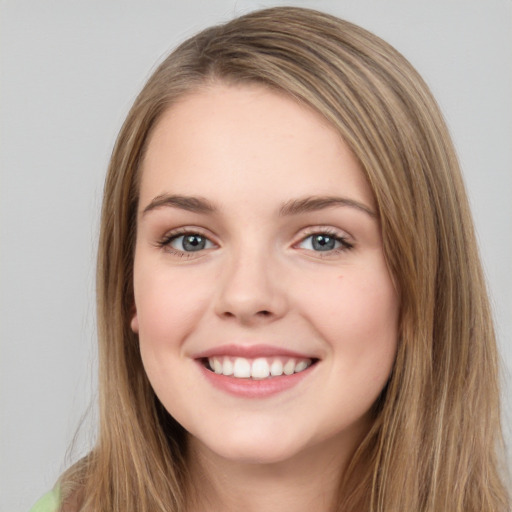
69 73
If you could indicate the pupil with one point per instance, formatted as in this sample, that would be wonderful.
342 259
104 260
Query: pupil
193 243
323 243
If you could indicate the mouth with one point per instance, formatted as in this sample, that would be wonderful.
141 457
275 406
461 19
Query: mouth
259 368
255 371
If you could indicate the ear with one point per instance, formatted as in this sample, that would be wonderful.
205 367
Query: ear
134 322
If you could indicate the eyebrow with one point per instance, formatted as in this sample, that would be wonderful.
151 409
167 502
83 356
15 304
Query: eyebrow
189 203
315 203
293 207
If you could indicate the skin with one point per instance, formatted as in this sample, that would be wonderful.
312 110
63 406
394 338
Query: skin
259 280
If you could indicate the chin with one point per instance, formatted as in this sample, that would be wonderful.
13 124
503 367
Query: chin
250 449
256 455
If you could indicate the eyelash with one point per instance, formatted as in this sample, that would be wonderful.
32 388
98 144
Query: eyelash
345 245
165 242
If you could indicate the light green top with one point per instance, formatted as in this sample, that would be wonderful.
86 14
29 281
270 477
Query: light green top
48 503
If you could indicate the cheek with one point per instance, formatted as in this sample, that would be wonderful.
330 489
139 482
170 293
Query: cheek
357 313
168 304
169 308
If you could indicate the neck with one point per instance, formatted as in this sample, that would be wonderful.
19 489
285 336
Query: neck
308 481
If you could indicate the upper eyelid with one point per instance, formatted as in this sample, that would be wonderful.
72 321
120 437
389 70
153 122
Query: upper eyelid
329 230
177 232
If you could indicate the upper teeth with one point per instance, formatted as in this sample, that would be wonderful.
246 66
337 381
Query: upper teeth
259 368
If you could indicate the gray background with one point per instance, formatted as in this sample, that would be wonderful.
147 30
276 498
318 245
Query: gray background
69 72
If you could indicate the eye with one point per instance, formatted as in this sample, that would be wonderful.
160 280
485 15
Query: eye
189 242
324 242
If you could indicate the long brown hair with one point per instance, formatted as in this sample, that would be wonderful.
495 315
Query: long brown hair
434 443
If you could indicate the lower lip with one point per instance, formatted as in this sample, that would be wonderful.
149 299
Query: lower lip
254 388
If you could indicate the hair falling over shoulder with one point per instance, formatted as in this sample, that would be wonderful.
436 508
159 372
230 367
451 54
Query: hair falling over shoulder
436 443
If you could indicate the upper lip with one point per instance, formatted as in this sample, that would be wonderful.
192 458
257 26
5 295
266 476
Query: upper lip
250 352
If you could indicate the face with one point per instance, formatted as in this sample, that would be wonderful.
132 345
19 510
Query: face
266 315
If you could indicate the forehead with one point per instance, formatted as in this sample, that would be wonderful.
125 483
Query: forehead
247 139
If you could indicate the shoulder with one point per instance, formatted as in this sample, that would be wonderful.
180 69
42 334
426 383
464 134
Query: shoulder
48 503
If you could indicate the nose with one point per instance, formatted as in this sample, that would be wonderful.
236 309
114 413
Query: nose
251 291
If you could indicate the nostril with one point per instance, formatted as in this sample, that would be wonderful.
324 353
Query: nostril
264 313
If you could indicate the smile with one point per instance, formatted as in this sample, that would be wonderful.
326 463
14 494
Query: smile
256 368
254 371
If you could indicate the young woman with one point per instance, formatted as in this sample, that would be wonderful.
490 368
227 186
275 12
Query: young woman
292 313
